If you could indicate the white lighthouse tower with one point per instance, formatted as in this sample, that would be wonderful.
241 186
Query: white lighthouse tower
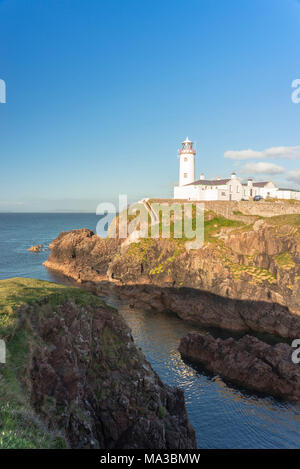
187 163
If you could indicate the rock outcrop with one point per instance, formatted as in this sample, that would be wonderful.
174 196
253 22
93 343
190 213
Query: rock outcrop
82 255
35 248
245 279
248 362
84 383
206 309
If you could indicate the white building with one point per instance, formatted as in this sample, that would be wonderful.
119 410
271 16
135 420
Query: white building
288 194
220 189
266 189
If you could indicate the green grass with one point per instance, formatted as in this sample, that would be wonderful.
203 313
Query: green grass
18 291
20 427
140 250
213 227
237 212
285 261
280 220
258 274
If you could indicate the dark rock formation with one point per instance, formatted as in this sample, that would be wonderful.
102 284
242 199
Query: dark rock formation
210 288
248 362
80 254
91 380
209 310
84 377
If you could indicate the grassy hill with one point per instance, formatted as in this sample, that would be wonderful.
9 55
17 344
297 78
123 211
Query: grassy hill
20 426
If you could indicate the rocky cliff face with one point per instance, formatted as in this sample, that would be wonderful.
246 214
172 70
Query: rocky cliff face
248 362
74 375
82 255
245 277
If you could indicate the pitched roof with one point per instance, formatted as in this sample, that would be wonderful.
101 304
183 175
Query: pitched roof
260 184
209 182
284 189
187 140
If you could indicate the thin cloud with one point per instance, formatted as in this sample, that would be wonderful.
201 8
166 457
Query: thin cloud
6 203
262 168
274 152
294 176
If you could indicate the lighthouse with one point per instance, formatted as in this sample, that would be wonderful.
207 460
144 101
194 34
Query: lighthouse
187 163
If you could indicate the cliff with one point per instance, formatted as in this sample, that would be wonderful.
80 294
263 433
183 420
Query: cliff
246 277
74 378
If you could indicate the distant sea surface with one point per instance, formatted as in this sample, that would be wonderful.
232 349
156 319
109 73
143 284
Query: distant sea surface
19 231
223 416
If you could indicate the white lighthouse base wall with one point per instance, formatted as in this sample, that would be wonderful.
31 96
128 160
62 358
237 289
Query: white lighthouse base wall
187 192
187 169
210 194
195 193
287 194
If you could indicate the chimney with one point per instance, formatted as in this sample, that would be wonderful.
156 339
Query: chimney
218 178
233 176
250 182
202 177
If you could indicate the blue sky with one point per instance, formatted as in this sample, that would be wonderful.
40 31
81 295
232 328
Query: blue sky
100 93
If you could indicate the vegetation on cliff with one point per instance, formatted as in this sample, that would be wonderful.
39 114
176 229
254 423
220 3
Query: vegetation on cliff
245 277
220 235
74 378
251 260
20 426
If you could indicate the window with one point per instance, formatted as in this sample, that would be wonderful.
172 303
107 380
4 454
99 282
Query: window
238 188
230 188
185 158
223 194
185 175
